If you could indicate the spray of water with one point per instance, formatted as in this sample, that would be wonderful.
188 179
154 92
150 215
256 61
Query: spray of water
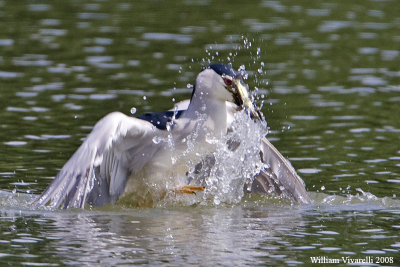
237 161
226 169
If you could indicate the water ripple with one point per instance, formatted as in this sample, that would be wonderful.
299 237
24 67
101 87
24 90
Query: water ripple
15 143
32 60
334 25
179 38
39 7
92 16
6 42
10 75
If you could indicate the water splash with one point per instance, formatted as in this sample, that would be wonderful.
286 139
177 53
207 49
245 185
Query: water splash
352 200
227 170
233 164
190 142
15 200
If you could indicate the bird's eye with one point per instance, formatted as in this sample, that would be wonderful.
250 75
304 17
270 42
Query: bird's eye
228 81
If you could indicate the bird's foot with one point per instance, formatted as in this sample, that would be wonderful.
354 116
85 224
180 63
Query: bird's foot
189 189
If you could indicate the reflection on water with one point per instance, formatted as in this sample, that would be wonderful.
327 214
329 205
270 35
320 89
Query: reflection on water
257 231
328 74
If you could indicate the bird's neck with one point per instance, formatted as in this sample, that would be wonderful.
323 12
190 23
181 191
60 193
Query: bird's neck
211 111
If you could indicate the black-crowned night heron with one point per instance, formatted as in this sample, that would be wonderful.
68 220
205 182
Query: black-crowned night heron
126 157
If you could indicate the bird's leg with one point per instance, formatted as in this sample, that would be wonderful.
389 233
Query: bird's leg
189 189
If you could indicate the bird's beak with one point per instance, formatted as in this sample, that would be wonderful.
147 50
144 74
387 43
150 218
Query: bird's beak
243 99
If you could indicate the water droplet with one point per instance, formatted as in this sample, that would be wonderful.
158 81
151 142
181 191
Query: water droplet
133 110
156 140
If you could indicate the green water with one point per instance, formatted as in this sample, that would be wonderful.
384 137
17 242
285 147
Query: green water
330 77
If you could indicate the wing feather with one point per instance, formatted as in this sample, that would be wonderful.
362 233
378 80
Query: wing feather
97 172
280 178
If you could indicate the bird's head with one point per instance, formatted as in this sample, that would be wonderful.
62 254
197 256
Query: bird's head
222 82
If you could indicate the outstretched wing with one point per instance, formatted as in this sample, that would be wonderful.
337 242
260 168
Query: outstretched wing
97 172
280 178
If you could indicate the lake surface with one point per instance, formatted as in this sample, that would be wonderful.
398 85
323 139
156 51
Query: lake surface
329 75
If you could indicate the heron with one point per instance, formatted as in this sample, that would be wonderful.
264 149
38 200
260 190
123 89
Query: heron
126 157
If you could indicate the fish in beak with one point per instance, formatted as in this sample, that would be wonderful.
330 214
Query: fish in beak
242 98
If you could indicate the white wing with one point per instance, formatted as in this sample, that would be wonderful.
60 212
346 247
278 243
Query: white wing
97 172
280 178
182 105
